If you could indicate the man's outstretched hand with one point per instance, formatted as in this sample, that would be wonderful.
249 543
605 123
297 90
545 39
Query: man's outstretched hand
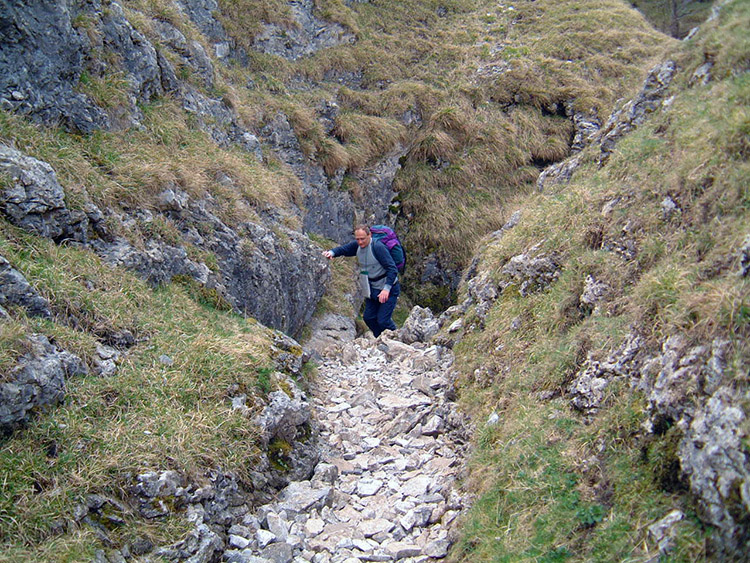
328 254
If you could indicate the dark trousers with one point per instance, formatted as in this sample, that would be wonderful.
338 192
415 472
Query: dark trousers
377 315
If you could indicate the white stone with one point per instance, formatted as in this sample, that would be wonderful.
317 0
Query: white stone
433 426
314 526
296 542
416 486
364 545
277 526
437 549
238 541
264 538
401 550
339 408
408 520
375 526
368 487
371 443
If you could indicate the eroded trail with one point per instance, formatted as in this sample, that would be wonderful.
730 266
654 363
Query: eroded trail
384 489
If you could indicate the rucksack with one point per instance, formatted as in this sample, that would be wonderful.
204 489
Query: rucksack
389 238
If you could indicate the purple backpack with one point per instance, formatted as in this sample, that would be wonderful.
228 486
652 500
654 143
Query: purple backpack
389 238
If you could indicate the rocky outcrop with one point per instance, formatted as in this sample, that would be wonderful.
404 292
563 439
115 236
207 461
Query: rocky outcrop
270 272
559 173
37 380
688 389
289 435
41 64
33 199
308 35
203 14
136 53
633 113
16 291
589 131
531 271
588 390
482 290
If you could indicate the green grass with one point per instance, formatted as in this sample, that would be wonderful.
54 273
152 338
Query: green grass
490 85
150 416
553 485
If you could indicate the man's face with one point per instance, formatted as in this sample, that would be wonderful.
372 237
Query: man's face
362 238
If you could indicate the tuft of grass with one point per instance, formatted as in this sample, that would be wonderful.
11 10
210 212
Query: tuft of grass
13 345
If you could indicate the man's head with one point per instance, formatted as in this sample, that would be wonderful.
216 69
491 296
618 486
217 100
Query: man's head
362 235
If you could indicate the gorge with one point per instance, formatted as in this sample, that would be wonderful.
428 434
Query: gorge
185 377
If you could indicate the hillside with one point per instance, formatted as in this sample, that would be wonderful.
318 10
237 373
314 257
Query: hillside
170 172
613 309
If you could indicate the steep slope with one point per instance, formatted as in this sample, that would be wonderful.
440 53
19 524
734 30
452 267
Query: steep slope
208 147
613 312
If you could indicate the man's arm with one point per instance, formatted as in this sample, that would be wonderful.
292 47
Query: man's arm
348 249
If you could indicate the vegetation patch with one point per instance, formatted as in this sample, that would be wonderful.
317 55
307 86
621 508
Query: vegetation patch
167 407
661 225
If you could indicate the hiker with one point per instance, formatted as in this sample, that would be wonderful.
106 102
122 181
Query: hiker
378 277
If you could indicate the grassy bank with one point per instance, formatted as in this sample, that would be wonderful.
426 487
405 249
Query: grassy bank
555 485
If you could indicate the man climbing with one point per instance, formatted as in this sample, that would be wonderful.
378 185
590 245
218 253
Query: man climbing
378 277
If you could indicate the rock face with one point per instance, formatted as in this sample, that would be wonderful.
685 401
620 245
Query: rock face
308 35
687 389
274 274
202 12
41 63
37 380
331 211
34 200
328 210
16 291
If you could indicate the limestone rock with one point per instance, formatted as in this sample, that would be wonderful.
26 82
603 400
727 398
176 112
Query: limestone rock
34 200
559 173
310 35
283 416
37 381
712 459
745 257
41 63
330 330
663 530
532 273
634 112
594 292
15 290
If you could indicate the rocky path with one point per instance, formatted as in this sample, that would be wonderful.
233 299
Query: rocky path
384 489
